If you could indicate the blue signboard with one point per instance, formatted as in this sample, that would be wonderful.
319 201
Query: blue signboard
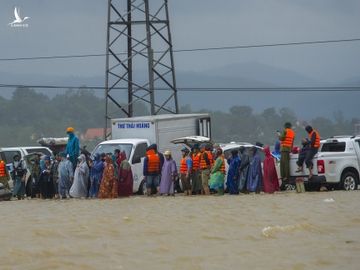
140 125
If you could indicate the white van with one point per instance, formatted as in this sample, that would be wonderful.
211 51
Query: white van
135 150
7 154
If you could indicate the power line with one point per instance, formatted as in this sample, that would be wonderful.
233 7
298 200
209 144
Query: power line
189 50
203 89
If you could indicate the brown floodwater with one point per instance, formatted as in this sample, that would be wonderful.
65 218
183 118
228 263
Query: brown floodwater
280 231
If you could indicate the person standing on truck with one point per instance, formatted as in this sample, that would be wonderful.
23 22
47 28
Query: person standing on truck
287 141
186 165
73 146
314 137
205 166
19 175
152 169
195 176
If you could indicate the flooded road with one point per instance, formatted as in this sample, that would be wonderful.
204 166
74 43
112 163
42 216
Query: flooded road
281 231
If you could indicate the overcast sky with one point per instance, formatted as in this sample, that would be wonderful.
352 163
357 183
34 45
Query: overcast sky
79 26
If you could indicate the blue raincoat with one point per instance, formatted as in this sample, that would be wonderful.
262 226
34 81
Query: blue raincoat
233 175
96 173
254 177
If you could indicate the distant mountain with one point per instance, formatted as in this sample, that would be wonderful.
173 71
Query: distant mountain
261 72
305 104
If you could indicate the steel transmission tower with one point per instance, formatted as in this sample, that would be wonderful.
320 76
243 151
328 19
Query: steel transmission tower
139 61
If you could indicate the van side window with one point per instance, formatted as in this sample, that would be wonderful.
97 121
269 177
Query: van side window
333 147
9 156
140 151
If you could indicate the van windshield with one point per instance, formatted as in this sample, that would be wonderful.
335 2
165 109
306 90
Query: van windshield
110 148
38 150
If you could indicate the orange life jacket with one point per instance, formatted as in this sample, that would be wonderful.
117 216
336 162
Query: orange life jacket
222 167
183 166
210 157
288 141
317 139
2 169
196 161
153 161
203 164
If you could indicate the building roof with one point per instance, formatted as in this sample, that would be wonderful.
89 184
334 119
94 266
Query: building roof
93 133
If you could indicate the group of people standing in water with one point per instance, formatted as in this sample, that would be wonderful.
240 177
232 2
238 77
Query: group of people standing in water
202 171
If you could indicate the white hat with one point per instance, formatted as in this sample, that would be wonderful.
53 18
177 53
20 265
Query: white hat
167 153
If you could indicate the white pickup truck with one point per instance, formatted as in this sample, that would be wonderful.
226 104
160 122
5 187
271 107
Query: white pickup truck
337 163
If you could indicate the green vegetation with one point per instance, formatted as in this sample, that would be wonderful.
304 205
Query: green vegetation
30 115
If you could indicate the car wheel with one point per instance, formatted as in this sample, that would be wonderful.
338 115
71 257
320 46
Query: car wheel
289 187
349 181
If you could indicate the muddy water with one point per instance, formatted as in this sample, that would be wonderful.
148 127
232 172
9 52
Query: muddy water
281 231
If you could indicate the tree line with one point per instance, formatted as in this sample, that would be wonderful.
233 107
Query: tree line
30 115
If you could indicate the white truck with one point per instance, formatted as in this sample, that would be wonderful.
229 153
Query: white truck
337 163
134 135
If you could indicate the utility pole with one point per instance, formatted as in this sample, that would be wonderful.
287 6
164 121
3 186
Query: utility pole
139 59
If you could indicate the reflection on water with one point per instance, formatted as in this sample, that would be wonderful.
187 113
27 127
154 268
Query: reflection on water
281 231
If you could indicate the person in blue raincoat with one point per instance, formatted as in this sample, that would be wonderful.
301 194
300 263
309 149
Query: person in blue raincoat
244 169
233 174
66 176
254 177
72 147
96 173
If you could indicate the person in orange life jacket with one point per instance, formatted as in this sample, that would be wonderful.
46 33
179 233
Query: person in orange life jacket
196 185
186 165
211 153
314 138
287 140
205 166
152 168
